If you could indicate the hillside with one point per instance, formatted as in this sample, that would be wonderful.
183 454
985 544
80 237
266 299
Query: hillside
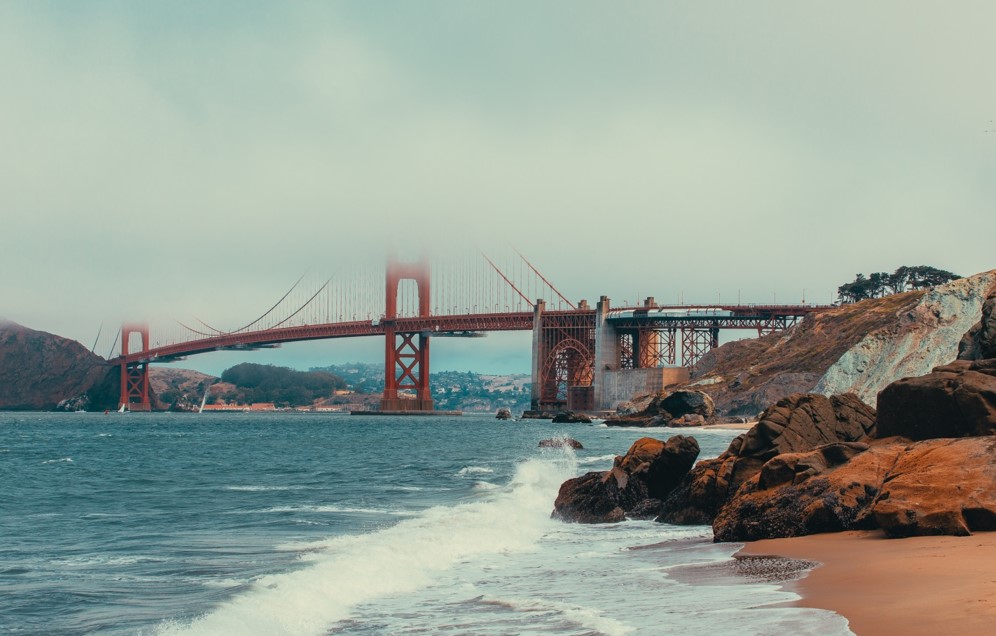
857 348
452 390
179 389
39 370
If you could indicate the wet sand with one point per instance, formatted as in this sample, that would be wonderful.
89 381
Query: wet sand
733 427
919 585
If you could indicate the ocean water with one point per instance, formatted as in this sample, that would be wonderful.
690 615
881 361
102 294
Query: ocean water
170 524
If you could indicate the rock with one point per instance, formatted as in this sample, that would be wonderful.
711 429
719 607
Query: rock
637 421
570 417
538 415
943 486
636 484
980 341
796 496
688 419
665 408
684 402
590 498
956 400
796 424
560 442
504 413
855 348
803 421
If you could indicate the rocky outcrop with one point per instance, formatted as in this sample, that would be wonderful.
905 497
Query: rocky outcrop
560 442
796 424
677 408
941 482
956 400
570 417
635 485
858 348
924 337
39 370
980 341
942 486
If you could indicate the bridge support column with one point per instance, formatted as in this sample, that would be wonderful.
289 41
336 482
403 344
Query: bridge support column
536 393
607 352
134 376
696 342
406 354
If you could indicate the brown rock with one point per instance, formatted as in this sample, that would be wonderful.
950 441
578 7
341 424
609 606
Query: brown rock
590 498
648 472
940 487
796 424
804 421
683 402
933 487
570 417
980 341
560 442
956 400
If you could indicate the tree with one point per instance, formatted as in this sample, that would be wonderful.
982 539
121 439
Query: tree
881 284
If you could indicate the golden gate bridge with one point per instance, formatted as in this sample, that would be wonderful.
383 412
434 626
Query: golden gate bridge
583 357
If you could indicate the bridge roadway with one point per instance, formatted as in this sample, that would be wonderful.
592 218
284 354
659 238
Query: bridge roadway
760 317
519 321
573 350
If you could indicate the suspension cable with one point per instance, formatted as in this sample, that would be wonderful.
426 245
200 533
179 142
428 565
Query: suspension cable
543 278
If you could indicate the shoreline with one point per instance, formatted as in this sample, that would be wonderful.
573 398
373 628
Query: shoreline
917 585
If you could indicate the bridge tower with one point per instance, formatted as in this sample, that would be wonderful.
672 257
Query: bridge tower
135 375
406 361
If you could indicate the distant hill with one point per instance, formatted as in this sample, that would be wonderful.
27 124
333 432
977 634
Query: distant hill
39 370
179 389
452 390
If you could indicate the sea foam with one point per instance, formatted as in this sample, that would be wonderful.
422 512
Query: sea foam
410 555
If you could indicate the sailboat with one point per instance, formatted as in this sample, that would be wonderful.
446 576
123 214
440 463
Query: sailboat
122 409
204 399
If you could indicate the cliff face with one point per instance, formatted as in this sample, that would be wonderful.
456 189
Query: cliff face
926 336
858 348
39 370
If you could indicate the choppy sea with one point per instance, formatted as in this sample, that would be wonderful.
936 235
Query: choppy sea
314 524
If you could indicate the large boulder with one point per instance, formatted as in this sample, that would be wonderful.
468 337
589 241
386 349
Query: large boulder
943 486
803 421
680 408
636 484
796 424
980 341
682 403
956 400
560 442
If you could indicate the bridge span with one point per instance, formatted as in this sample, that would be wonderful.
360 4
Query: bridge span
583 358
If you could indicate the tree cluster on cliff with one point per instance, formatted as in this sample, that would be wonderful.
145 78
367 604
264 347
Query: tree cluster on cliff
880 284
280 385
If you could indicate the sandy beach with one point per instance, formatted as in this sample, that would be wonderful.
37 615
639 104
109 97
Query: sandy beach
919 585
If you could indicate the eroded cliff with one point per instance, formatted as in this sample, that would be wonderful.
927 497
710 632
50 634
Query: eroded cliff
857 348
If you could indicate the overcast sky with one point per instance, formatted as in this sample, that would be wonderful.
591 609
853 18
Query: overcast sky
194 158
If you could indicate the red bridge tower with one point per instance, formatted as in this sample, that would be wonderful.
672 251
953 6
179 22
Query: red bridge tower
406 360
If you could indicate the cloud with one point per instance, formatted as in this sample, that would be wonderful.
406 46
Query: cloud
186 161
